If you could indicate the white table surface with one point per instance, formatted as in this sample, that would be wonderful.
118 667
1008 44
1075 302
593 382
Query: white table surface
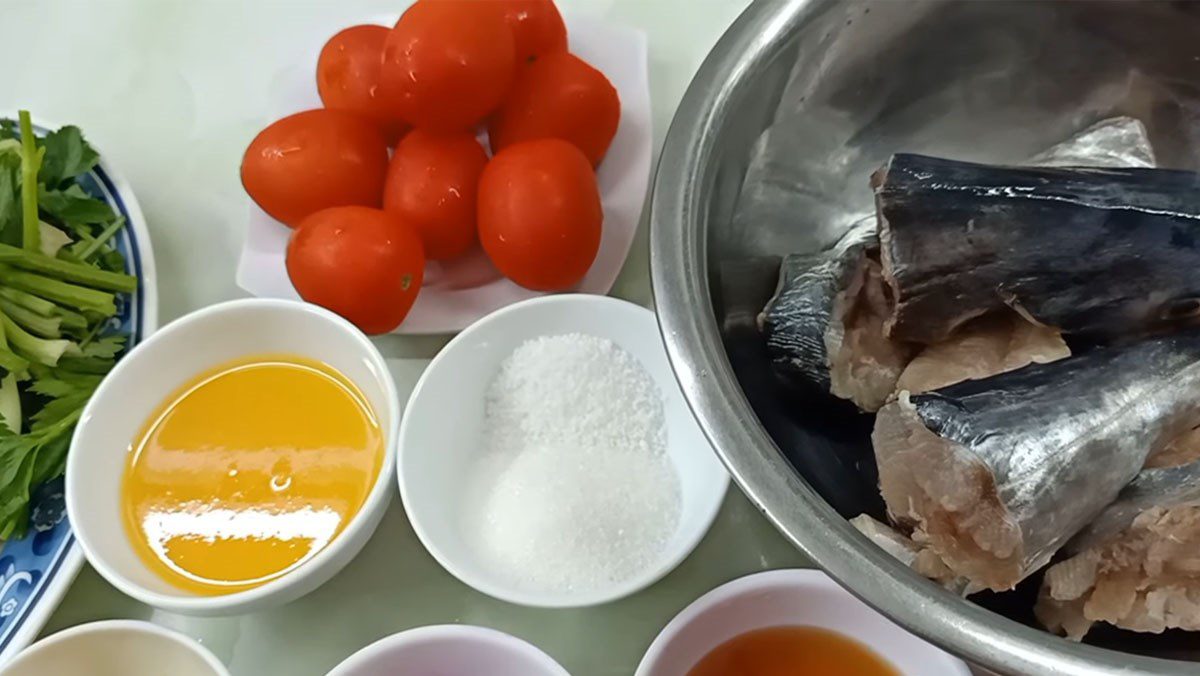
171 91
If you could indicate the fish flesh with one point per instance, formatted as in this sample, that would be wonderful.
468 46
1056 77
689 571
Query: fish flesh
1182 450
1102 253
824 327
842 290
995 343
1137 566
997 474
916 555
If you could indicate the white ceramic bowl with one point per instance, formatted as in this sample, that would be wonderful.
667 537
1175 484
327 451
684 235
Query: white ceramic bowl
788 597
450 650
157 367
116 648
441 436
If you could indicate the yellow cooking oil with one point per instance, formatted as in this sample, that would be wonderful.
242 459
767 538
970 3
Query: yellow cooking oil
248 471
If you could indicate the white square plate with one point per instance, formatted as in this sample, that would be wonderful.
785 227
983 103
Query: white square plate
456 294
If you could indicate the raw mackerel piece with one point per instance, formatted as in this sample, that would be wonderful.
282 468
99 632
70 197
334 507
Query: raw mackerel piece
997 474
1103 253
1137 566
824 326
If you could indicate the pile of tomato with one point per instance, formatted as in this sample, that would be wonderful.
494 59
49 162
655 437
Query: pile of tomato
390 172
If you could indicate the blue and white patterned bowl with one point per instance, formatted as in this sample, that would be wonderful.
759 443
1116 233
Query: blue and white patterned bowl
36 571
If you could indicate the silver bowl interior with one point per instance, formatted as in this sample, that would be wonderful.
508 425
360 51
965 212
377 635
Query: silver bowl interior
770 153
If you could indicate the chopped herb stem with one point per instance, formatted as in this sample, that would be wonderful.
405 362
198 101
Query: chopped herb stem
31 159
30 302
78 273
13 362
94 245
71 295
25 344
44 327
72 321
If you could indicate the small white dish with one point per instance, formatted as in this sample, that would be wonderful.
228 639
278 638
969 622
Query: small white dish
450 650
116 648
441 438
788 598
459 292
157 367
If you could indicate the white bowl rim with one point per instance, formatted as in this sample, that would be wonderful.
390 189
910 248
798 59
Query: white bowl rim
380 490
137 626
793 577
671 559
55 589
455 631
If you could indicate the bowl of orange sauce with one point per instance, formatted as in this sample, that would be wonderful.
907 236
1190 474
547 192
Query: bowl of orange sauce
789 622
235 460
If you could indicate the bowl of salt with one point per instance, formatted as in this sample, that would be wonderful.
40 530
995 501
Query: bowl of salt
547 457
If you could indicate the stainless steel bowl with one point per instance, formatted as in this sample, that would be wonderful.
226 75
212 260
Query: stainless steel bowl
854 82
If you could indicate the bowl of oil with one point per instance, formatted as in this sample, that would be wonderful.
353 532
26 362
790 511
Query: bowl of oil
789 621
236 460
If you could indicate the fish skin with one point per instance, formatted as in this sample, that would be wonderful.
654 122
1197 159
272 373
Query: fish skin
1163 487
999 473
802 323
1101 253
800 345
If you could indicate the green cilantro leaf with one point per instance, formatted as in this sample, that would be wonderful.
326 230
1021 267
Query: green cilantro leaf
19 455
68 156
107 347
74 208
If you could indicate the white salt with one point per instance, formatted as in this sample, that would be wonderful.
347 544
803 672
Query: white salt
574 491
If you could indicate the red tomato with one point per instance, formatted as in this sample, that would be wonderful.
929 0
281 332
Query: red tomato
313 160
348 77
362 263
432 183
540 215
448 64
536 25
559 96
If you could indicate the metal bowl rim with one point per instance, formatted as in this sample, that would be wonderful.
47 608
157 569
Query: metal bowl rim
679 277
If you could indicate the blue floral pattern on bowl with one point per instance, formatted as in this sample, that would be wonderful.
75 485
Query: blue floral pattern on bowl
30 567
